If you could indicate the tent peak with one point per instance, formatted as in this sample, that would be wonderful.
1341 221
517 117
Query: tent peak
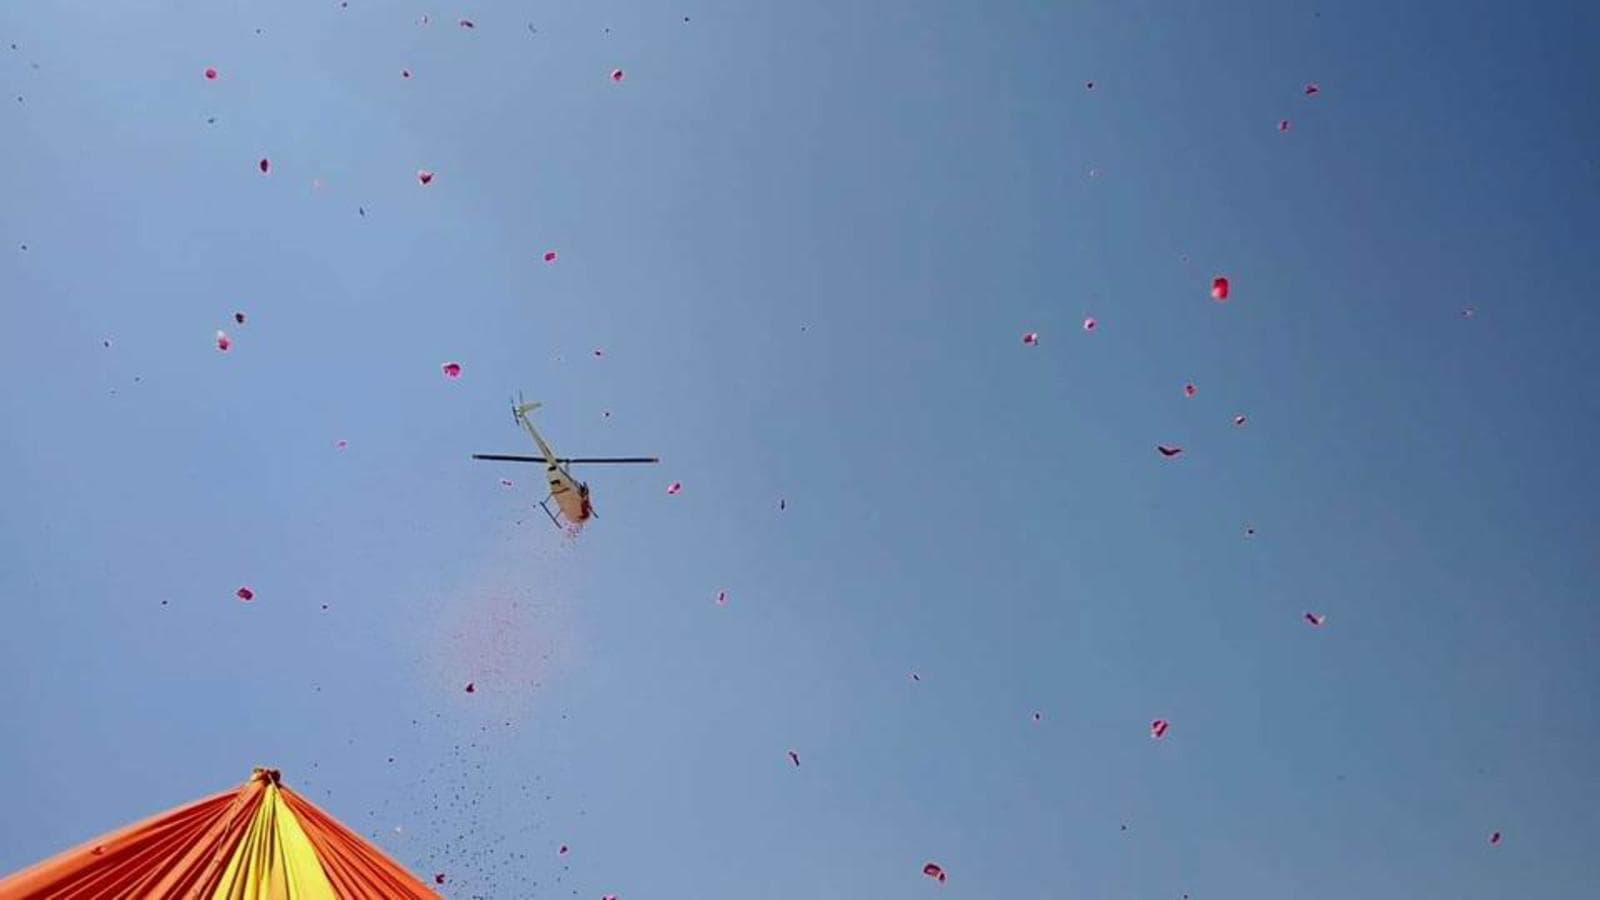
261 773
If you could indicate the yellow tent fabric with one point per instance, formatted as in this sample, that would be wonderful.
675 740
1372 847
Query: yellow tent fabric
260 842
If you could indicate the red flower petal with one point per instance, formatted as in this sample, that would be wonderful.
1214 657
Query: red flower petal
467 23
1312 89
451 369
245 594
675 487
1090 324
549 256
424 176
265 164
1494 839
340 444
238 318
438 878
562 851
211 74
1158 729
505 482
1283 124
794 757
223 341
1031 338
1168 452
1189 390
934 871
472 687
616 75
1219 289
1316 619
405 73
722 598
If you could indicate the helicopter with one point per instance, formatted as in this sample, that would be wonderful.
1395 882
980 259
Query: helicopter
571 496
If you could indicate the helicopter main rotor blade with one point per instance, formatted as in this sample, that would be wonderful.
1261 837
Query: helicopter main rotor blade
585 460
502 457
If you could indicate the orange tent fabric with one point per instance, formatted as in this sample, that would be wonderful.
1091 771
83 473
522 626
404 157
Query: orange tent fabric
260 842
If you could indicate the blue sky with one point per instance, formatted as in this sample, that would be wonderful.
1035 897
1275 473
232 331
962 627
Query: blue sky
808 238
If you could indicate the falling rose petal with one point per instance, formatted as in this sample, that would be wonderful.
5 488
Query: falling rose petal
211 74
599 352
472 687
223 341
424 176
1030 339
245 594
1312 89
1189 390
608 897
467 23
1168 452
1283 125
1494 839
264 165
340 444
1239 420
1316 619
438 878
1090 324
722 598
794 757
451 369
1219 289
562 851
934 871
505 482
1158 729
238 318
675 488
915 677
405 73
549 256
617 76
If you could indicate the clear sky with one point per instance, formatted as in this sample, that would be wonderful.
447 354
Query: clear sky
808 238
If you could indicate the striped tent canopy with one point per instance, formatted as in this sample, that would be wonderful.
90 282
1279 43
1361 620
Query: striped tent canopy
259 842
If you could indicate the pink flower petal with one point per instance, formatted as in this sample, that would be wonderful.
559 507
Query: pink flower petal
1168 452
1283 125
794 757
424 176
608 897
1031 338
1312 89
340 444
1219 289
211 74
245 594
1158 729
675 488
223 341
1239 420
451 369
722 598
472 687
562 851
1316 619
934 871
617 76
1494 839
549 256
1090 324
1189 390
264 165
